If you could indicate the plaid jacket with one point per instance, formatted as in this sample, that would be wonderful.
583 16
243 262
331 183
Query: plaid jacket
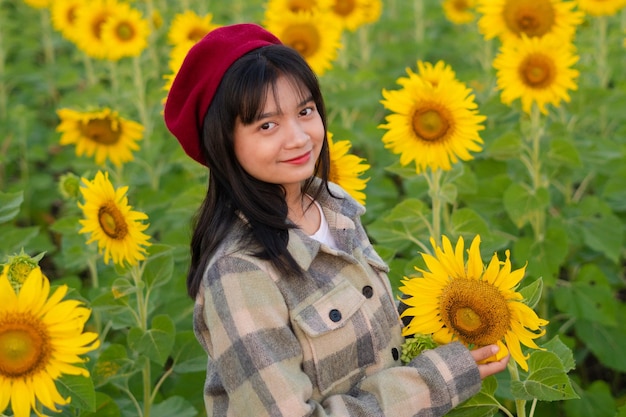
324 345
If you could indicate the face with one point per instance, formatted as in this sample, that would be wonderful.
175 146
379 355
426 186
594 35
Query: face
283 144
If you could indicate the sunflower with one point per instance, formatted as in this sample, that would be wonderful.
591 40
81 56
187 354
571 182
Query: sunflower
63 15
432 125
102 133
601 7
295 6
315 35
536 70
345 169
38 4
372 10
189 26
352 13
125 34
177 56
111 222
18 267
440 73
509 19
459 11
41 338
454 300
89 21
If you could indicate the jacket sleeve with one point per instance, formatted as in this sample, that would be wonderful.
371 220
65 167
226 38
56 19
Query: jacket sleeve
255 365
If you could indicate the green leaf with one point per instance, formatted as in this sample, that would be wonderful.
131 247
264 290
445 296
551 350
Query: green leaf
532 293
174 406
589 296
466 221
112 364
546 256
15 238
564 152
187 353
564 353
10 205
614 192
507 146
606 342
105 407
522 204
80 389
546 381
159 269
483 404
596 401
157 342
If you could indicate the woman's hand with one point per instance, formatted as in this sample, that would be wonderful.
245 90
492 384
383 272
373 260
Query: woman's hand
490 368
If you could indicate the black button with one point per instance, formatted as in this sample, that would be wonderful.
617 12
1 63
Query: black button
395 354
368 291
334 315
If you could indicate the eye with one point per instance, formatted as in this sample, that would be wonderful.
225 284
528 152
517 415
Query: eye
307 111
267 126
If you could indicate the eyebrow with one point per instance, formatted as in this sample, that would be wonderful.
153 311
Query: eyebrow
270 114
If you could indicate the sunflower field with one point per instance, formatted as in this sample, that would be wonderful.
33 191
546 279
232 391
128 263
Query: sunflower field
486 139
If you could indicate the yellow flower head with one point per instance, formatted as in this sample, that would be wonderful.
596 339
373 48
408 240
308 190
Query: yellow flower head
295 6
536 70
101 133
112 223
315 35
125 34
601 7
355 13
89 21
478 306
510 19
459 11
41 338
346 169
189 26
18 267
435 121
63 15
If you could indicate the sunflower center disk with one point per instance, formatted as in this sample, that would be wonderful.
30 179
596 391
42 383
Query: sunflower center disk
125 32
537 71
344 7
112 221
304 39
22 348
101 131
460 5
430 124
475 311
531 17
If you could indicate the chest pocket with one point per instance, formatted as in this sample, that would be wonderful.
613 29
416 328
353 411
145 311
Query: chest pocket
338 343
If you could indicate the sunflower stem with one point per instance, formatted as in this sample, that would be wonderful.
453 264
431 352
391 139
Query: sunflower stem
113 77
140 88
46 36
520 405
535 134
365 44
434 184
89 72
603 70
418 7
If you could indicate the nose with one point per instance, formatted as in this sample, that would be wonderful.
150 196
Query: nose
298 135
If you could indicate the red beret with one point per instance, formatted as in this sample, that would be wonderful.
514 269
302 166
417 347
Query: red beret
199 76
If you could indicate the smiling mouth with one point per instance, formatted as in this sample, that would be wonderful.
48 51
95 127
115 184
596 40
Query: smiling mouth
299 159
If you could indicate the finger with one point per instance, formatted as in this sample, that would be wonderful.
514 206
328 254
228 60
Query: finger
491 368
484 352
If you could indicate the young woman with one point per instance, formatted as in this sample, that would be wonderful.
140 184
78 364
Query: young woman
293 305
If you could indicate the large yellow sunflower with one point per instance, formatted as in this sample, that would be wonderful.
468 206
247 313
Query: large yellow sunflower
352 13
536 70
111 222
454 300
63 15
315 35
41 338
346 169
89 21
459 11
601 7
295 6
440 73
432 125
103 133
189 26
510 19
125 34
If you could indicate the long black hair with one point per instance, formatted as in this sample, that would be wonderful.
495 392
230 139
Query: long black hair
231 190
